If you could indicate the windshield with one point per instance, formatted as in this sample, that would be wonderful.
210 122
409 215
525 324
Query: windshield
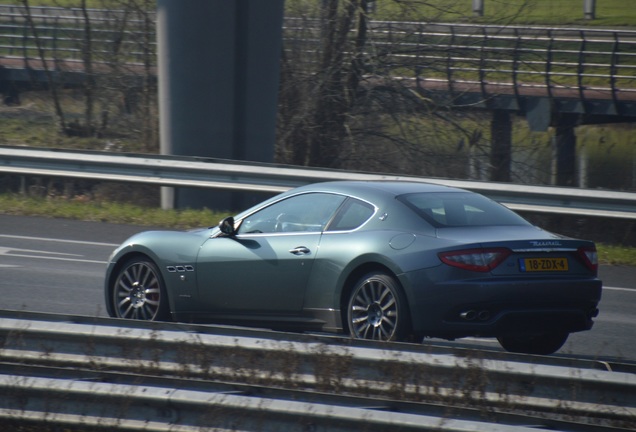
455 209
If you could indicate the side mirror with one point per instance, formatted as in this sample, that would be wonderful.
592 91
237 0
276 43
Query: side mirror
227 226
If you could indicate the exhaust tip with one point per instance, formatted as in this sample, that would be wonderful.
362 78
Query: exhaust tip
469 315
484 315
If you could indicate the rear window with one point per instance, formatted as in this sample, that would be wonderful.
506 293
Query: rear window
453 209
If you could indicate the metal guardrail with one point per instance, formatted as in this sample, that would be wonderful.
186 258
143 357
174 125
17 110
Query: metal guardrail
165 375
260 177
163 409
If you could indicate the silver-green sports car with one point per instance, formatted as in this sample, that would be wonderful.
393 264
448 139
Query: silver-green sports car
375 260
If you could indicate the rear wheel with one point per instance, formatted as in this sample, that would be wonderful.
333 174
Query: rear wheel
377 309
542 344
139 292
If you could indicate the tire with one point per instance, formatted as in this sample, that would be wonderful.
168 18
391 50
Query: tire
541 344
138 292
377 309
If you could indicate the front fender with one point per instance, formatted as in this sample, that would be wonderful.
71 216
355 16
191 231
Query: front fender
175 255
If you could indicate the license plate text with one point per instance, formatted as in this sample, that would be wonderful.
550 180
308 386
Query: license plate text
543 264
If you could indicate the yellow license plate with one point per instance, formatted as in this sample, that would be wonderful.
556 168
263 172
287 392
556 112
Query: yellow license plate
543 264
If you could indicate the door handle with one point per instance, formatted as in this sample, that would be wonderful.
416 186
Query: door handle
300 250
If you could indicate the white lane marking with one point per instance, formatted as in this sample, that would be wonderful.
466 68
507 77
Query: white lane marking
619 289
59 240
9 251
59 258
9 266
49 255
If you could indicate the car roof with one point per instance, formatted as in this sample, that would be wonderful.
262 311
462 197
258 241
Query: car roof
379 187
374 191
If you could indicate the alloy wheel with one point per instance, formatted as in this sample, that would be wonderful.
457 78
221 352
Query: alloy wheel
375 309
138 292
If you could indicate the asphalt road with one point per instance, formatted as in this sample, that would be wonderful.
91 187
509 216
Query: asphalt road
57 266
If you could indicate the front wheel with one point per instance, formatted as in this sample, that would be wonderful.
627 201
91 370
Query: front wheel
541 344
377 309
139 292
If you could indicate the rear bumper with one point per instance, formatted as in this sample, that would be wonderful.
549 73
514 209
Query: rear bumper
510 319
493 307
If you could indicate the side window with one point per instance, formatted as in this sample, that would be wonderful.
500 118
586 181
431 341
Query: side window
353 214
300 213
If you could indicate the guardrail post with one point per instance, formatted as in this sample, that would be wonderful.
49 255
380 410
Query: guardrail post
478 7
589 9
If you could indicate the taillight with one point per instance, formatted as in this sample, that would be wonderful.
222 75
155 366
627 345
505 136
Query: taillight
589 257
479 260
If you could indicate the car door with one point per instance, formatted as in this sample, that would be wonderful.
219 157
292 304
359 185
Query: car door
265 267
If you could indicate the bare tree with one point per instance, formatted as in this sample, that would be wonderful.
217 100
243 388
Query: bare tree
316 101
89 73
115 46
51 82
345 102
129 54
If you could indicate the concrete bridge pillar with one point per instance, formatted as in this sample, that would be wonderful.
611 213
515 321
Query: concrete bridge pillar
501 146
564 146
218 86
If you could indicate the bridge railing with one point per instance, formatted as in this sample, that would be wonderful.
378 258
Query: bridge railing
62 34
589 71
582 63
574 62
579 63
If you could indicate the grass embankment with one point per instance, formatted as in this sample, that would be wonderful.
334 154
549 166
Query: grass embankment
609 13
112 212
